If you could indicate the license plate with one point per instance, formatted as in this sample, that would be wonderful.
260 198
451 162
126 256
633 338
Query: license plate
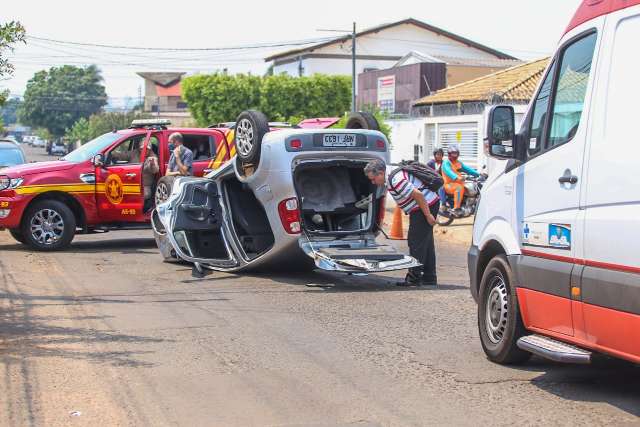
339 140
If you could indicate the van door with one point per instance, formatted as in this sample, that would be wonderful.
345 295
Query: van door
611 279
547 186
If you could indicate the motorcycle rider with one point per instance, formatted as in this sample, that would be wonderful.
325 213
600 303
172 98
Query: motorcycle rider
453 180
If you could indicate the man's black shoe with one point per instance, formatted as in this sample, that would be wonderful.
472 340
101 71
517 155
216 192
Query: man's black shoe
409 280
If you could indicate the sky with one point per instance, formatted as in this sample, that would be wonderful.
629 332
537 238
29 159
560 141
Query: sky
527 29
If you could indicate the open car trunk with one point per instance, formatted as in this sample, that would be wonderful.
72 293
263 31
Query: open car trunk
340 212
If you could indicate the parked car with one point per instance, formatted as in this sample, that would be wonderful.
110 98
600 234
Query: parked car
92 189
38 142
292 197
554 262
10 154
58 149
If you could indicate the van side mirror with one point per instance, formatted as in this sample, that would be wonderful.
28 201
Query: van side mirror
500 139
98 160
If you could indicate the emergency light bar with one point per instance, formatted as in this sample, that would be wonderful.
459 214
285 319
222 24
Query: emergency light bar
141 123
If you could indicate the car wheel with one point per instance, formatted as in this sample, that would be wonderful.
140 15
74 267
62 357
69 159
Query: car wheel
17 234
362 120
499 322
251 126
48 225
163 189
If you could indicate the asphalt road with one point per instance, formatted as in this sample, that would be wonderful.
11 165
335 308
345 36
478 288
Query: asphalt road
107 334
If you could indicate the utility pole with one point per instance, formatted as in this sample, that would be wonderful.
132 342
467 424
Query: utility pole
353 62
353 69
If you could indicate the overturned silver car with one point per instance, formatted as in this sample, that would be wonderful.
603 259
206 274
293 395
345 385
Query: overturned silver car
291 199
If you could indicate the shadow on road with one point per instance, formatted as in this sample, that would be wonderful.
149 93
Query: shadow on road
125 246
609 381
26 336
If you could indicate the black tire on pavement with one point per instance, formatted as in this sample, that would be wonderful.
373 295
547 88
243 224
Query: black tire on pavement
17 234
163 189
499 322
251 127
48 225
362 120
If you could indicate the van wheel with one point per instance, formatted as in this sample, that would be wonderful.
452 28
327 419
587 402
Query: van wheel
163 189
251 126
48 225
362 120
17 234
499 321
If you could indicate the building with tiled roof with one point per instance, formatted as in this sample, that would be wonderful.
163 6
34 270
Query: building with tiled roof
515 84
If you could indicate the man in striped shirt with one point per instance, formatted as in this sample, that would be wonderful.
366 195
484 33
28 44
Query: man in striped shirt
422 205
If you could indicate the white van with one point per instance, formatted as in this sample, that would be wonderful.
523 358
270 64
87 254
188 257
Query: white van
555 259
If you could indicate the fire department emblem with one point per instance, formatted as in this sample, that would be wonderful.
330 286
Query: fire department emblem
114 189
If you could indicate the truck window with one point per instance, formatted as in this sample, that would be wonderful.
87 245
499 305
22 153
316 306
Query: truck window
127 152
539 114
571 89
202 146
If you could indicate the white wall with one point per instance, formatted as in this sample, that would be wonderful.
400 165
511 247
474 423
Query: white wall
395 41
405 134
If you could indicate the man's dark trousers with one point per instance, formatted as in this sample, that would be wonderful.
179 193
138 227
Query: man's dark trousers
421 245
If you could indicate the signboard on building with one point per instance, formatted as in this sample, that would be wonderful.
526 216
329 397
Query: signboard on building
387 93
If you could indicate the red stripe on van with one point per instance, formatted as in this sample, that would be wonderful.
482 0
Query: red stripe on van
590 9
586 262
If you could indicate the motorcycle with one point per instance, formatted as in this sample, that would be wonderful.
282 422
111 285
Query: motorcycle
472 187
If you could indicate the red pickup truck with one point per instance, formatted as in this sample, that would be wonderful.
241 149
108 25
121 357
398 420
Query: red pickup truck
92 189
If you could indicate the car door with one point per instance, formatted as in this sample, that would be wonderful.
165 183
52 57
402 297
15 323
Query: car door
119 194
610 291
548 185
194 224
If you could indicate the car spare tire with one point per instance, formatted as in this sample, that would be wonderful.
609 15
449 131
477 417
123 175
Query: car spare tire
251 126
362 120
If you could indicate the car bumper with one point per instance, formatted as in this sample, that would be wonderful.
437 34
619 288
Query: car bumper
473 256
12 206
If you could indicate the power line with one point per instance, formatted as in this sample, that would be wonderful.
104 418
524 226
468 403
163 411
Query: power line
171 49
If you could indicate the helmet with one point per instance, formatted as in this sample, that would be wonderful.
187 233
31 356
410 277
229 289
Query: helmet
453 148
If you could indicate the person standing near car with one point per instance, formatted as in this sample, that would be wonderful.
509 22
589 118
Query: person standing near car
181 160
436 164
422 205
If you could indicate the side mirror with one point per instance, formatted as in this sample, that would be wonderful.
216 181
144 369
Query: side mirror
500 139
98 160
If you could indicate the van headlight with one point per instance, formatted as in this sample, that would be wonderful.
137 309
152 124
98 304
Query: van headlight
9 183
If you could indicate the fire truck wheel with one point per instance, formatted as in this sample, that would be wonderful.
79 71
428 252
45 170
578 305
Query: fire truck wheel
164 188
48 225
362 120
17 234
251 126
499 321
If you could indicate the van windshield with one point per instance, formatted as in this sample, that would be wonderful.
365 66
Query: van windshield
91 148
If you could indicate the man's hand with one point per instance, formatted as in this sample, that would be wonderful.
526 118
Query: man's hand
176 152
431 219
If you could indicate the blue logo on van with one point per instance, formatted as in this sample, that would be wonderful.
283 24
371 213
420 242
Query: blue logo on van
560 236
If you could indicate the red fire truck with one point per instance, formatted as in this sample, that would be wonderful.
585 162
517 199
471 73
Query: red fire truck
92 189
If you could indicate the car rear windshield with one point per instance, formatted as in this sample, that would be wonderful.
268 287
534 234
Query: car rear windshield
91 148
10 157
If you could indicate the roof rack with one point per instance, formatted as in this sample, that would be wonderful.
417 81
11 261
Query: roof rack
150 124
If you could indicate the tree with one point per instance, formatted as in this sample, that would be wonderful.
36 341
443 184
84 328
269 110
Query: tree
57 98
98 124
10 33
8 112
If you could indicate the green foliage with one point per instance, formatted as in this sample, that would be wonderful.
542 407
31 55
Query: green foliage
57 98
87 129
8 112
10 33
218 97
380 117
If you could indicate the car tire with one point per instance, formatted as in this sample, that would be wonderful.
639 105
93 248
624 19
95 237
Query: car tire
163 189
48 225
499 321
362 120
251 127
17 234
